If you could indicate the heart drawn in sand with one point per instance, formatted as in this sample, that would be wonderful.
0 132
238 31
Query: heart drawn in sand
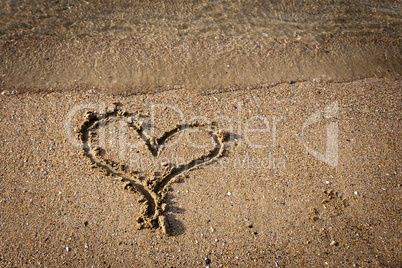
152 187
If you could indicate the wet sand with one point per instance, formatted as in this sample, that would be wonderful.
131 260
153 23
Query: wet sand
131 66
311 176
200 133
131 47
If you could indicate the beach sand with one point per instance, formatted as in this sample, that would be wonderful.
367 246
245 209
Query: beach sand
200 133
310 176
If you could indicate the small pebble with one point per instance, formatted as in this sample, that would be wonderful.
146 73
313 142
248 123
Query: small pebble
88 114
229 193
328 182
111 109
129 120
333 243
67 249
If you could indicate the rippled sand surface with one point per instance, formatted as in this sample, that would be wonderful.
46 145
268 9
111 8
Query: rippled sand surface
138 46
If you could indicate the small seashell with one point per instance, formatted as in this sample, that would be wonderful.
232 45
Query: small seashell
163 224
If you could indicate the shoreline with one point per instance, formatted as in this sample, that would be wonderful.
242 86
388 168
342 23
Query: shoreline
200 133
134 66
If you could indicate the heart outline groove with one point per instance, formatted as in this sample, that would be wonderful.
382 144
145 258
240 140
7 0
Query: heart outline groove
153 188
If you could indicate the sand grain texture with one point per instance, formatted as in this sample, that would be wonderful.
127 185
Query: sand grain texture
265 202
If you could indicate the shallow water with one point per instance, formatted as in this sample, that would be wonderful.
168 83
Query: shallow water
197 19
198 44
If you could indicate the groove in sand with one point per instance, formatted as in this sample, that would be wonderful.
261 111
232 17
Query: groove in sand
152 188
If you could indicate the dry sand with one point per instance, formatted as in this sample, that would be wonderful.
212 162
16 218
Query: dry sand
310 176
